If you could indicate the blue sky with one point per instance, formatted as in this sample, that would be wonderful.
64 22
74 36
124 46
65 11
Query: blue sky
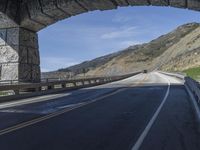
97 33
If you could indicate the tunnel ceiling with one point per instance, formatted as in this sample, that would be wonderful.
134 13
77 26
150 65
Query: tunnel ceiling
37 14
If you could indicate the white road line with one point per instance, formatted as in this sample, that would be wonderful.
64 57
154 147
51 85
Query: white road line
151 122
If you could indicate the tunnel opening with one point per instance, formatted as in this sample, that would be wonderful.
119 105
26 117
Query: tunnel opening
89 66
30 16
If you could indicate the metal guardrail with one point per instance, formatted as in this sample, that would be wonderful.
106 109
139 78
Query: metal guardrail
48 87
46 80
11 82
194 86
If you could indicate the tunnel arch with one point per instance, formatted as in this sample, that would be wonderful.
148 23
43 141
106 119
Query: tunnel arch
37 14
20 20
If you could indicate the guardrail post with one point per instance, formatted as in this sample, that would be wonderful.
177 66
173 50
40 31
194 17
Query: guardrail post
16 92
50 87
74 83
95 81
89 82
38 89
83 83
64 85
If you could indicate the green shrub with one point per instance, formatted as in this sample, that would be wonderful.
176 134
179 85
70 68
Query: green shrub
193 73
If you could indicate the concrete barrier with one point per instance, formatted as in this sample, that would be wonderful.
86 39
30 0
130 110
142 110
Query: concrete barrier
25 90
194 87
193 90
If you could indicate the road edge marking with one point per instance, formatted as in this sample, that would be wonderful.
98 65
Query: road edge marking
140 140
194 106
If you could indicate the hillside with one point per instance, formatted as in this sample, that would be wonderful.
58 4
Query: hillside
177 50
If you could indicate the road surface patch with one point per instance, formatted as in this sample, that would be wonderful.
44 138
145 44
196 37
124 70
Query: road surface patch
151 122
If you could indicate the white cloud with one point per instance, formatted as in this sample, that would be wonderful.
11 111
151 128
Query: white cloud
54 63
121 18
120 33
46 70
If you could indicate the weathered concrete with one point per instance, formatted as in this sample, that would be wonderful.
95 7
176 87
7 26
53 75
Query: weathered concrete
9 15
21 19
19 55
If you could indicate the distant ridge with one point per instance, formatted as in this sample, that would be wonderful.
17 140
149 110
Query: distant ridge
177 50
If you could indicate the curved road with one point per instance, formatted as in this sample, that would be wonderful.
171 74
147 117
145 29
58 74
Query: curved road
146 111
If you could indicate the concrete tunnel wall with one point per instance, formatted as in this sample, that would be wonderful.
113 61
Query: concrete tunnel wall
20 20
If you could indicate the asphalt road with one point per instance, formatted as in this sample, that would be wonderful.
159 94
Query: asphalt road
146 111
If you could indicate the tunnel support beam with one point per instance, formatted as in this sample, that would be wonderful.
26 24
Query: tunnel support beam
19 55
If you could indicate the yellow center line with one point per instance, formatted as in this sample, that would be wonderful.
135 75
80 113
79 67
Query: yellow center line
60 112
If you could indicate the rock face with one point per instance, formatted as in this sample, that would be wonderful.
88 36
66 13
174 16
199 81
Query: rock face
184 61
175 51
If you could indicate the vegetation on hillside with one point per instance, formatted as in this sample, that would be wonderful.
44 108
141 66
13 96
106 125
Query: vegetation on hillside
193 73
177 51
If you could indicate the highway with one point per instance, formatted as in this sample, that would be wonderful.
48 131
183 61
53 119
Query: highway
145 112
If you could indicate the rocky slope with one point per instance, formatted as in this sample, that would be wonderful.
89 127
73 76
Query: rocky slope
184 61
177 50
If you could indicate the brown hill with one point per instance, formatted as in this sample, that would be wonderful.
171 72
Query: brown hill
176 50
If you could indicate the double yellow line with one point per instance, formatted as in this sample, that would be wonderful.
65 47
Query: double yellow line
52 115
